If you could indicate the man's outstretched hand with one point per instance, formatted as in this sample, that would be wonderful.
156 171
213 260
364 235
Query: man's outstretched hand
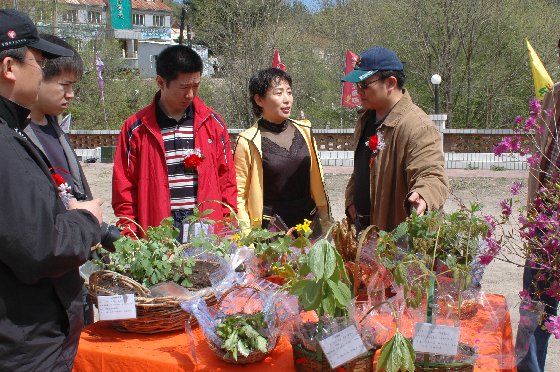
417 203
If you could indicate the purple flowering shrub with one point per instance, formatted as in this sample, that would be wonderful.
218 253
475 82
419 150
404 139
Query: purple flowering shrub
539 223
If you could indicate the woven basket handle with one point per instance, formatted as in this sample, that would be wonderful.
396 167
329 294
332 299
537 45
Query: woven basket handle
361 242
97 276
256 289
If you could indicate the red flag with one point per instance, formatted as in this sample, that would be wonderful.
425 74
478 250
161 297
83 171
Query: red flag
350 96
276 63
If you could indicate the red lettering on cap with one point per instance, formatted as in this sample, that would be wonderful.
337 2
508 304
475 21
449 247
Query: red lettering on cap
12 34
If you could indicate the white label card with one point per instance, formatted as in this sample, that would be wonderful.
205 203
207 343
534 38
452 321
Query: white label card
194 231
435 339
343 346
116 307
185 232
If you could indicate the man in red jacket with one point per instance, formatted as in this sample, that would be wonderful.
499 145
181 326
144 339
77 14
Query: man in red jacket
175 153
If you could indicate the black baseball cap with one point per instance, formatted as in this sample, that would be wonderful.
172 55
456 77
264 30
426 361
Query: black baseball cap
373 60
18 30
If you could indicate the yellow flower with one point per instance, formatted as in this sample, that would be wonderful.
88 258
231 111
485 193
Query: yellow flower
236 237
303 227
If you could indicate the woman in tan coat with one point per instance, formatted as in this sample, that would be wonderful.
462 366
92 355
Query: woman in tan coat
277 167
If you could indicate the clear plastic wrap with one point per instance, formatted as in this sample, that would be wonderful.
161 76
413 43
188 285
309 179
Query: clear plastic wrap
247 298
482 319
530 316
205 265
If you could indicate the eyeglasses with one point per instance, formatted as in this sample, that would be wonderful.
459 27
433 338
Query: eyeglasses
41 62
362 85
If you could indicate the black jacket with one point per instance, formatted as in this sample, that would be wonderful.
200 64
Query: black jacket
41 247
81 190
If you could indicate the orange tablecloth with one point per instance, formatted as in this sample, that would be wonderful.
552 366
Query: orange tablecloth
104 349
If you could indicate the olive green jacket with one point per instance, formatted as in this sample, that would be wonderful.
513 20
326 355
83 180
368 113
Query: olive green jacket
412 160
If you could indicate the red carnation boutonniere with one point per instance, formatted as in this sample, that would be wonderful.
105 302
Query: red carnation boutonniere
63 188
193 159
375 144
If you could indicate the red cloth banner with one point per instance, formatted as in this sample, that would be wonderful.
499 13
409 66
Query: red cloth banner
350 96
276 63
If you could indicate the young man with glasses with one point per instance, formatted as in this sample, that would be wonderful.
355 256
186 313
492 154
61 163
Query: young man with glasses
55 94
42 243
398 158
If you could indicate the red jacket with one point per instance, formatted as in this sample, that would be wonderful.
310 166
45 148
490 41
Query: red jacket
140 180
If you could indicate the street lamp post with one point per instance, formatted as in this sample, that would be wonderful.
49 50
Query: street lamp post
186 3
436 81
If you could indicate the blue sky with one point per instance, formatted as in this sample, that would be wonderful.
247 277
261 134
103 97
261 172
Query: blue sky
311 4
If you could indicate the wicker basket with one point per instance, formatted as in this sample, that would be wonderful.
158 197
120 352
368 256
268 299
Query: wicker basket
444 368
255 356
435 364
315 361
153 314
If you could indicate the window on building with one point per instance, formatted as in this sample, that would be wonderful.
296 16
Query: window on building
94 17
159 21
138 19
43 15
70 16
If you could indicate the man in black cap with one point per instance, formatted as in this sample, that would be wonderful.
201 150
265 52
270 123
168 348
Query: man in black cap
398 158
42 243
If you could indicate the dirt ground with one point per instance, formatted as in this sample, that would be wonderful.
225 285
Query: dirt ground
486 187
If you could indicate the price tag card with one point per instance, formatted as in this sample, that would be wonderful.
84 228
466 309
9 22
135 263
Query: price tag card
116 307
435 339
195 230
343 346
186 226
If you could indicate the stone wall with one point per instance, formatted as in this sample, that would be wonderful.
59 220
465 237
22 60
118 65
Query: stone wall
454 140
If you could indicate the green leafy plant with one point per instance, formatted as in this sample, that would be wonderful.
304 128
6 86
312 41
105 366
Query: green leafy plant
155 259
243 334
420 252
205 240
396 355
431 246
266 244
327 289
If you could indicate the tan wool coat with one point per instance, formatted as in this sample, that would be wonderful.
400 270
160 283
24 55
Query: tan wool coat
249 173
412 160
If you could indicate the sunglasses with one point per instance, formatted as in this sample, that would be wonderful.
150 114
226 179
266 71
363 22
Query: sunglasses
362 85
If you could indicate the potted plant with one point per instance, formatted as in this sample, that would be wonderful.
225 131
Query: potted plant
321 284
430 255
138 265
274 252
242 327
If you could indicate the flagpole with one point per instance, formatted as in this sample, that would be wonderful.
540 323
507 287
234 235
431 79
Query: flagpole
104 112
99 65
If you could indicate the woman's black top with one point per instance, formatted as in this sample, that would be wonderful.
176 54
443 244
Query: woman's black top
286 173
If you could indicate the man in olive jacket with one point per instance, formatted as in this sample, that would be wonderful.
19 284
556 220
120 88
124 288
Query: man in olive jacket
398 158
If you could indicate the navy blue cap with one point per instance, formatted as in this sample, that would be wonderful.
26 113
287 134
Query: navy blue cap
371 61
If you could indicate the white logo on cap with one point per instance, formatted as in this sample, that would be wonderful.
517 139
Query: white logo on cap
12 34
366 75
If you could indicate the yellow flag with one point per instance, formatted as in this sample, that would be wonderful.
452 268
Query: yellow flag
543 82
